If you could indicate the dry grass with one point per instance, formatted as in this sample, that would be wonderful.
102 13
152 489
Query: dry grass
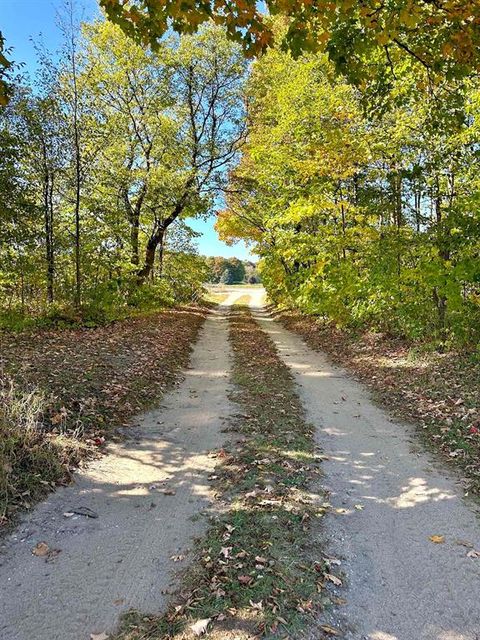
31 461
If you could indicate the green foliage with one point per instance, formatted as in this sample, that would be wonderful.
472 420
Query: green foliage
228 270
368 218
103 157
443 36
5 65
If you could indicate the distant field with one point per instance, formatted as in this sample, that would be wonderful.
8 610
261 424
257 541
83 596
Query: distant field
227 287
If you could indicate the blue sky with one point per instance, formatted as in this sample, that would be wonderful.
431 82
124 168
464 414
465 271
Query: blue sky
20 20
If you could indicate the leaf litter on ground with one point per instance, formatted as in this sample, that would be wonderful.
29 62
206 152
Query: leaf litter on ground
254 573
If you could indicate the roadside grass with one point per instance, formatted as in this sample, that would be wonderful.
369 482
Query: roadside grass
438 392
215 297
64 394
31 461
254 574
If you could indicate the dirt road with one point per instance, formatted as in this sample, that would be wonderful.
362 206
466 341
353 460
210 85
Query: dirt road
147 494
388 499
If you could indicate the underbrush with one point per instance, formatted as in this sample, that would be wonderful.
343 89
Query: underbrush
102 305
31 461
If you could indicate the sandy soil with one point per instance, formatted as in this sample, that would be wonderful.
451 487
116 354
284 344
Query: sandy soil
147 492
388 497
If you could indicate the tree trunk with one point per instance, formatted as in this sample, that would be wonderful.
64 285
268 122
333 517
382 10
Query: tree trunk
134 231
78 275
48 219
72 35
150 251
161 253
444 253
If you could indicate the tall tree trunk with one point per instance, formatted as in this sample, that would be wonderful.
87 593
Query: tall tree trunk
397 186
48 221
161 253
49 241
444 253
72 41
78 274
418 209
134 232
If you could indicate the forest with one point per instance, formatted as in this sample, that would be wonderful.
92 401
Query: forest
360 195
363 205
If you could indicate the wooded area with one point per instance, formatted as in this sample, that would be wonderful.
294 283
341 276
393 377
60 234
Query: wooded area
363 204
104 154
350 161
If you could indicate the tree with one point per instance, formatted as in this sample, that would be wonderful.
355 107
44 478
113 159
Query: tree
5 66
226 277
207 81
365 217
442 36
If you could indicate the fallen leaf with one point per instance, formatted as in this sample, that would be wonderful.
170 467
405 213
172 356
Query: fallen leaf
245 579
464 543
330 630
333 561
41 549
53 553
168 492
200 627
437 539
473 553
99 636
177 558
334 579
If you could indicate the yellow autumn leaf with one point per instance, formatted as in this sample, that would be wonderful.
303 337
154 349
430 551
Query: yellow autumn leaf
437 539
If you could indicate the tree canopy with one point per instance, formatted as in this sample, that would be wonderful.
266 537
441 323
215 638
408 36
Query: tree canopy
105 154
443 35
363 217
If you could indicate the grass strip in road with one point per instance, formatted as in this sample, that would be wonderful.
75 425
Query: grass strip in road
254 574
